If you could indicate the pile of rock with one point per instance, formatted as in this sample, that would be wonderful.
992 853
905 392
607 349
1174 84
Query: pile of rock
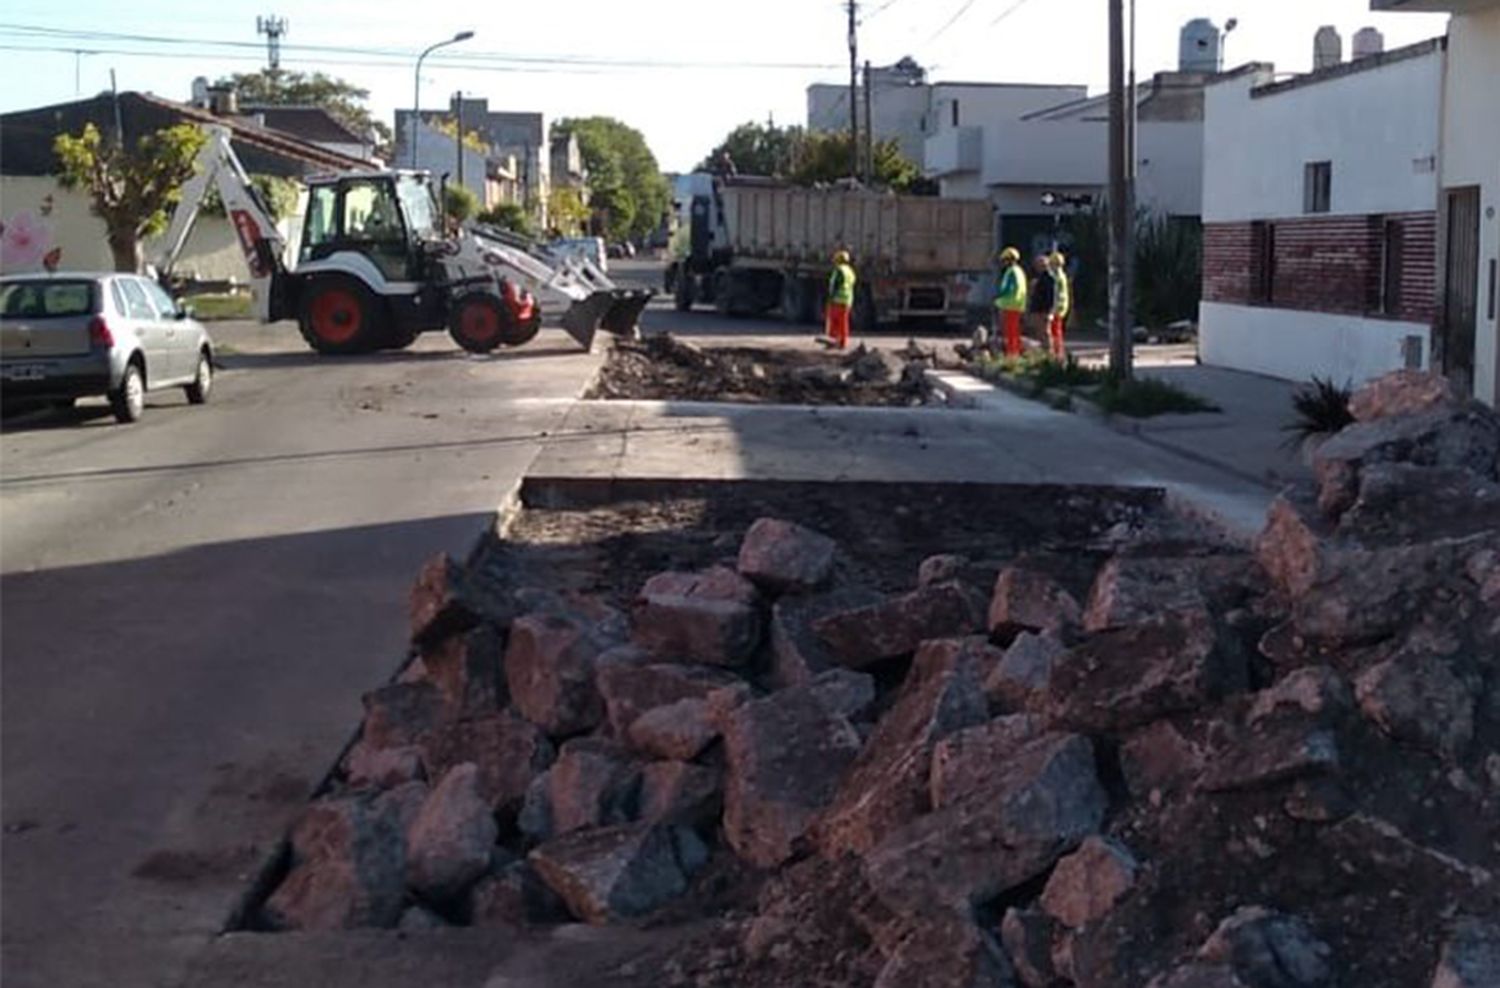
1192 768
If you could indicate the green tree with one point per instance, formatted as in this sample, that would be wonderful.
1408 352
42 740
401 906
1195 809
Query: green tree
508 216
460 202
629 194
758 149
472 140
811 157
132 188
343 100
566 210
823 157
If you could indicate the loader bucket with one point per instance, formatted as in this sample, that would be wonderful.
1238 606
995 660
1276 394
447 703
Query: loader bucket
625 312
582 318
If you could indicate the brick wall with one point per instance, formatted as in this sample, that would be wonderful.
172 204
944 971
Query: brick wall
1325 264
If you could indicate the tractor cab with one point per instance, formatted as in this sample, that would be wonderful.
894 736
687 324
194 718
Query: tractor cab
384 216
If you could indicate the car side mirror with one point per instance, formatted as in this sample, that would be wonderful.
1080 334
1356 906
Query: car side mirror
184 311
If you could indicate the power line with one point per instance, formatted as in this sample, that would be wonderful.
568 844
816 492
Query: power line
1008 11
880 10
49 33
962 10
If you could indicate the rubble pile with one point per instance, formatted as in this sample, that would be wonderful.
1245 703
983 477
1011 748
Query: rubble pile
661 367
1192 768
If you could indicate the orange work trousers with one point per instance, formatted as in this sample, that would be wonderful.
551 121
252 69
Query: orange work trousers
1009 321
1055 336
838 324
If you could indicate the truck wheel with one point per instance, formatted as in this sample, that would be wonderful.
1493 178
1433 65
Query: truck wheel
682 295
481 322
339 315
862 319
793 299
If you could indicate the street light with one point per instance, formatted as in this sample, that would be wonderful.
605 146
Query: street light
1229 26
416 96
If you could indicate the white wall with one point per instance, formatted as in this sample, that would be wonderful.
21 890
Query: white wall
1471 156
212 251
988 106
1297 345
897 112
1061 153
1379 127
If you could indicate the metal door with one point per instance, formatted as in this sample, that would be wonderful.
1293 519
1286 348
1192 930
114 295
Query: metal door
1461 288
182 358
150 330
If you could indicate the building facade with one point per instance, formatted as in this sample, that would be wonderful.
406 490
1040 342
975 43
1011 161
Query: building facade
1319 214
522 135
1466 326
58 224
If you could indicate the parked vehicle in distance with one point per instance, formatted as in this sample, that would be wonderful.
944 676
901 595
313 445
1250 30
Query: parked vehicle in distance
623 249
589 247
73 335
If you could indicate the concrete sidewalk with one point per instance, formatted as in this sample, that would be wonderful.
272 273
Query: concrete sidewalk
1248 435
1007 439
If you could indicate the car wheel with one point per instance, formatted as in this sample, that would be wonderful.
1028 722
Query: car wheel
203 381
340 315
128 401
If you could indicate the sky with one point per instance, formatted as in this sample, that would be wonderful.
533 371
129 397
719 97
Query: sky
684 72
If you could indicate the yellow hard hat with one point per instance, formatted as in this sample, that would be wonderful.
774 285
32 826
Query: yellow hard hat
1010 254
841 257
1056 259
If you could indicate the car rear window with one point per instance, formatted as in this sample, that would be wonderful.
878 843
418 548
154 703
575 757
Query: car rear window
47 299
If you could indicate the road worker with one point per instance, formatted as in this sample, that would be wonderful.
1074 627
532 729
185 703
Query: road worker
1038 302
1010 300
1062 304
840 299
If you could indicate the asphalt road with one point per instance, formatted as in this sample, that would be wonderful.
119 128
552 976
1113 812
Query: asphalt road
192 606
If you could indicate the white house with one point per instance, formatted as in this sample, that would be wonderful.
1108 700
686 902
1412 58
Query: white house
1319 196
1466 337
932 122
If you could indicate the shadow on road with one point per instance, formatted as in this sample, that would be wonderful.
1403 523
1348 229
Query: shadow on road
163 718
288 359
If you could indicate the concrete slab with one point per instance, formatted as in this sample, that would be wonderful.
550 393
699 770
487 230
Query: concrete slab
1007 439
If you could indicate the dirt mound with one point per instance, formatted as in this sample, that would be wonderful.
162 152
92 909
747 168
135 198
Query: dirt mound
663 368
1124 757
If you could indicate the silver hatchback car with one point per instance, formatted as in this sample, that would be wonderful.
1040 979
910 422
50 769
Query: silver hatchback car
68 335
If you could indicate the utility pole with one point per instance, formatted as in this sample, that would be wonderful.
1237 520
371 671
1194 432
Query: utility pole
273 28
458 134
1132 169
1119 215
869 130
853 91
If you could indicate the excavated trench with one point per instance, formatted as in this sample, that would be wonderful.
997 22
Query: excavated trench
662 368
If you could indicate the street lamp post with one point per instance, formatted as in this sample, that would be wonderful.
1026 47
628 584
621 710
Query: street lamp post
416 96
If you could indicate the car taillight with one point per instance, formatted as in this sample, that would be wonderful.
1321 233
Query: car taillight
99 334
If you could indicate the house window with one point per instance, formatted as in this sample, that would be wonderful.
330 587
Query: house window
1392 248
1317 186
955 113
1263 263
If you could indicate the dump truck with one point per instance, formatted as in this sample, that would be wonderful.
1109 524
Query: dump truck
378 264
750 245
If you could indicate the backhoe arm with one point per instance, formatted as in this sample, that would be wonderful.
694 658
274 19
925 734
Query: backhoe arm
219 167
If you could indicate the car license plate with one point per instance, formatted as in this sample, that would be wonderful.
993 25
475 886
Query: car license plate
25 372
